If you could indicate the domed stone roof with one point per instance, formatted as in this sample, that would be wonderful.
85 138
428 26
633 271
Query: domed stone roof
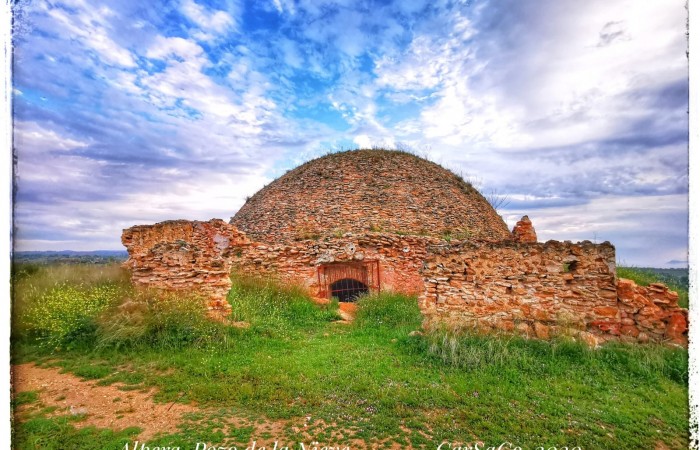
369 190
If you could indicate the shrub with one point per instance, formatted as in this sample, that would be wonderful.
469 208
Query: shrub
159 319
388 311
65 314
20 271
274 308
467 349
32 283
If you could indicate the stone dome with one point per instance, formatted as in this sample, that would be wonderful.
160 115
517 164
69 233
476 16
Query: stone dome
369 190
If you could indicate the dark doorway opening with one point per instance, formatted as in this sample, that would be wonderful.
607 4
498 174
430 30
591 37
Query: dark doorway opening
348 279
348 289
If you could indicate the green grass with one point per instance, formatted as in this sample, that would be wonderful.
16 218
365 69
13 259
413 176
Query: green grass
34 285
645 277
24 398
387 313
372 381
59 433
273 310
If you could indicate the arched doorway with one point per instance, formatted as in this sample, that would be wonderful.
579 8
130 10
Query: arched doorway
349 279
348 289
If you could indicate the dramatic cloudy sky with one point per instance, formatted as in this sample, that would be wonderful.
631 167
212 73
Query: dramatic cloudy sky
131 112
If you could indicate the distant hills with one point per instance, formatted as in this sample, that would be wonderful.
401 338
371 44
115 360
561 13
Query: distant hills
680 273
70 256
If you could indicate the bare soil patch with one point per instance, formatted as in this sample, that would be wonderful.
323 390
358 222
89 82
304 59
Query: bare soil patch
114 408
103 406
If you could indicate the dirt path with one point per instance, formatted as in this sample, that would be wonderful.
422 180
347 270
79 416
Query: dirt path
111 407
104 406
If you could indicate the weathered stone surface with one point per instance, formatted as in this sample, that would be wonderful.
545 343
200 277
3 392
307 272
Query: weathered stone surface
400 259
541 330
368 190
545 287
184 255
524 329
589 338
654 311
524 231
606 311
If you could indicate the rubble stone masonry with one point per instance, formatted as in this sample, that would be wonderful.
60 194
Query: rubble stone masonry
524 231
184 255
539 289
368 191
400 259
535 289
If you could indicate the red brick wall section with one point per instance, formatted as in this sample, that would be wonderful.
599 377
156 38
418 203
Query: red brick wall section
400 259
543 289
184 255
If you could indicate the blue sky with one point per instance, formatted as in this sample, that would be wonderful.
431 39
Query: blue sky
132 112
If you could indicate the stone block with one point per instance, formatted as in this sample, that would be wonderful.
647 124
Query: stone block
606 311
541 331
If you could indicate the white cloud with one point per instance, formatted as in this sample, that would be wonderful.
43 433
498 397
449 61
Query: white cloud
192 198
555 88
176 48
183 82
91 26
290 53
635 225
363 141
418 68
576 88
462 115
284 5
216 21
33 138
430 59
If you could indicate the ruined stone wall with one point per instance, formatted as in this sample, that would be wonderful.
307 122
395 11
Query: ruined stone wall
539 289
536 289
184 255
400 259
650 313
